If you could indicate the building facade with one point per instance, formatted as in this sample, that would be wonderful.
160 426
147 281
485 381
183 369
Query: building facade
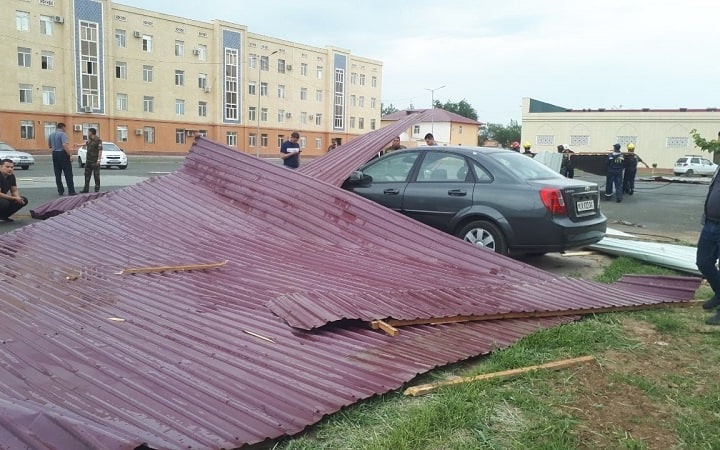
447 127
661 136
151 82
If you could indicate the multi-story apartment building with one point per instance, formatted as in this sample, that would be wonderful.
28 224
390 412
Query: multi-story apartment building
151 81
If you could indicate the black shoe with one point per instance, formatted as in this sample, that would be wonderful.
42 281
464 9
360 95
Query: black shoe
72 193
714 320
61 192
714 302
618 200
84 191
97 189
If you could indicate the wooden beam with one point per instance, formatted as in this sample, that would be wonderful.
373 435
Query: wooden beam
172 268
380 324
534 314
427 388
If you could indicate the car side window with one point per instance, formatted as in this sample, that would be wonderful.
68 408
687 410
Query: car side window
707 162
392 168
438 166
695 160
481 175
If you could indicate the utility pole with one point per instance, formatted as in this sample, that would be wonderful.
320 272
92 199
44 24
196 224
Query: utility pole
432 105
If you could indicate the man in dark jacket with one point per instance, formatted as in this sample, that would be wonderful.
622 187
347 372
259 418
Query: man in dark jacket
92 160
614 179
10 199
708 248
631 163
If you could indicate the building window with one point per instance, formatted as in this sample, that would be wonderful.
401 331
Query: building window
121 70
149 135
339 104
280 140
252 113
202 52
147 73
361 101
579 141
318 119
264 140
48 129
460 130
252 61
351 122
27 129
264 63
362 79
263 114
179 136
122 102
147 43
202 133
372 124
26 93
179 78
22 20
232 85
148 103
47 60
46 25
624 140
120 38
303 142
319 71
202 109
373 102
281 65
319 95
318 143
303 69
252 140
545 139
24 57
303 93
180 107
179 48
89 64
202 81
231 139
281 116
677 142
353 78
303 117
353 100
373 81
48 95
281 91
121 133
252 88
263 89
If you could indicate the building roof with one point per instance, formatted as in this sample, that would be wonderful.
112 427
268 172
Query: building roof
96 355
435 114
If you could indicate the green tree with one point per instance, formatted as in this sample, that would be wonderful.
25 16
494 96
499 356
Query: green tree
712 146
389 109
462 108
504 135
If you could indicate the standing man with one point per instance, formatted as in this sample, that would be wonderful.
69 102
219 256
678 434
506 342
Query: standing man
708 248
567 169
61 156
430 139
290 151
394 145
631 163
10 199
333 145
515 146
527 152
614 164
92 160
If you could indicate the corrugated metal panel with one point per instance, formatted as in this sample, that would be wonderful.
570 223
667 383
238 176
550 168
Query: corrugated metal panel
93 359
673 256
62 204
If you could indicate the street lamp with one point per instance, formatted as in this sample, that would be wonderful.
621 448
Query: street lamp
432 105
259 93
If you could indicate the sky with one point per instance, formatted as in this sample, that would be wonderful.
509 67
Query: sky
613 54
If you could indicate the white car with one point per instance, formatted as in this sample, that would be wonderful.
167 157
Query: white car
690 165
20 159
112 155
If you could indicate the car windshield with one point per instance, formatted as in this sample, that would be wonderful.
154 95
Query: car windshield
524 167
109 146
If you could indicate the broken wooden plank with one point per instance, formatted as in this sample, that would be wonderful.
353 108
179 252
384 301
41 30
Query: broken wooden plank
182 268
387 328
427 388
534 314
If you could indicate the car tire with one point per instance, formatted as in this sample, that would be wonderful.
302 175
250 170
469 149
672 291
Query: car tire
122 167
80 163
689 173
24 167
484 234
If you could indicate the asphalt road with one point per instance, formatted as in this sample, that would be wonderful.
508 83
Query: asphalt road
662 208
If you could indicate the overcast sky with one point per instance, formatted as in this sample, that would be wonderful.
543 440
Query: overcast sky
577 54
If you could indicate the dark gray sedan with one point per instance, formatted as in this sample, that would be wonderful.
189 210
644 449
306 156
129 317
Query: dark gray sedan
498 199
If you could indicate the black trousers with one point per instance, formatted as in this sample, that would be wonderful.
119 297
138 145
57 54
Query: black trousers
9 207
63 166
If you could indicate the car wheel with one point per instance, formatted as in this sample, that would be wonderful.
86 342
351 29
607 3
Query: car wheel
677 174
689 173
484 234
80 163
122 167
24 167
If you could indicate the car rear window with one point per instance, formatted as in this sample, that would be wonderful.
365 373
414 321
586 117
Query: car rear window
680 161
523 167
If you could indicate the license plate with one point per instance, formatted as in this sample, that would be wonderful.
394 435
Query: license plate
585 205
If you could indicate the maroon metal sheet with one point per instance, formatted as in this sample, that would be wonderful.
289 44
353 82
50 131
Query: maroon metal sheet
195 359
62 204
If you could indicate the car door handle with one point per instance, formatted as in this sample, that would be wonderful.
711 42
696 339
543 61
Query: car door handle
391 192
457 192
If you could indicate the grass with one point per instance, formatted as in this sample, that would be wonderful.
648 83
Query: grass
654 386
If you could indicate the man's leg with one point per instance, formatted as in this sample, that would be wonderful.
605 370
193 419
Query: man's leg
67 169
96 172
58 169
8 207
88 173
618 186
609 184
708 250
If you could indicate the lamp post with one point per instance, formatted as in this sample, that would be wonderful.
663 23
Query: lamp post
259 94
432 105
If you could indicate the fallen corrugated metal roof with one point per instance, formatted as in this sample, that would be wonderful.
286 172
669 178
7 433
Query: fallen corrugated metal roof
62 204
186 359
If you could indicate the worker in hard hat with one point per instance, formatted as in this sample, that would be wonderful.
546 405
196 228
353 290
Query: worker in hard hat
630 164
515 146
527 146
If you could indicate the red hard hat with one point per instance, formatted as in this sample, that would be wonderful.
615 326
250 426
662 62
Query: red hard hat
515 144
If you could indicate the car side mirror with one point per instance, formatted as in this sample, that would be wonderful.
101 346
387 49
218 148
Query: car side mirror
358 178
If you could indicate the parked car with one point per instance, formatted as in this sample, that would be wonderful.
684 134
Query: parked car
497 199
20 159
694 165
112 155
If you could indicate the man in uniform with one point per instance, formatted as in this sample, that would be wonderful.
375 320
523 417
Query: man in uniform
92 160
614 179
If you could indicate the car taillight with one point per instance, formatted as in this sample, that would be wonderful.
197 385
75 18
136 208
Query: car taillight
553 200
